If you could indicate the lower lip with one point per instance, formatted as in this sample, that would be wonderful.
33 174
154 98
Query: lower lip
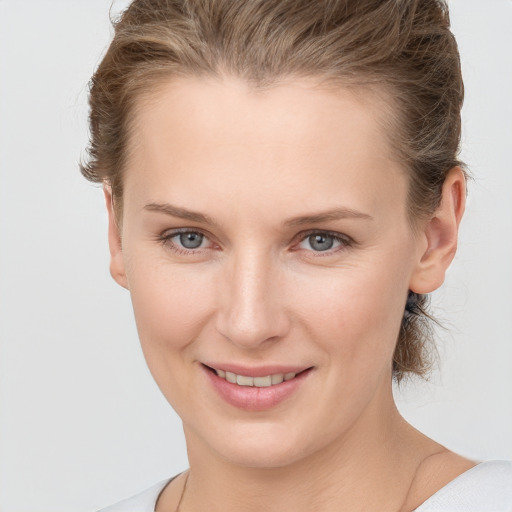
252 398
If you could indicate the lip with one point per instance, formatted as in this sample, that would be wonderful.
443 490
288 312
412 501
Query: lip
254 398
259 371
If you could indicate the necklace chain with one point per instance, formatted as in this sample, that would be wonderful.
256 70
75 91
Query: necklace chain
182 492
407 494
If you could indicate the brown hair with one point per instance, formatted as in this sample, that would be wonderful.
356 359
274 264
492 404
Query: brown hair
402 48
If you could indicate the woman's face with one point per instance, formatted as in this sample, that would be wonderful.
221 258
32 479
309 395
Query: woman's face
265 234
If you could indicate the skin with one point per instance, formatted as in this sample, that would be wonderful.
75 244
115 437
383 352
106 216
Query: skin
256 292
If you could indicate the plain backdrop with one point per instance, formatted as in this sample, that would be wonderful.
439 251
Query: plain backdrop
81 422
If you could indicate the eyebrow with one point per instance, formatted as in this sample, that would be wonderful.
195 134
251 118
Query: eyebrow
314 218
334 214
182 213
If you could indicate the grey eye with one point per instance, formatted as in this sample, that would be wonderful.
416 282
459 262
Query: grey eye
321 242
191 240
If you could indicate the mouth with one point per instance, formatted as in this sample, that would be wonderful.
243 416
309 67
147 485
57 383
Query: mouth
265 381
255 389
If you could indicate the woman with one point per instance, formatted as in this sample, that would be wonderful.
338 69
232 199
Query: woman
283 192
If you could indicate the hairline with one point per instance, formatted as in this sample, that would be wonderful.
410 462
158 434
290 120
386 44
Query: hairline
360 86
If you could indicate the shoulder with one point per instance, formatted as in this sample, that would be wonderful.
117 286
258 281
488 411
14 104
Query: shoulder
142 502
487 487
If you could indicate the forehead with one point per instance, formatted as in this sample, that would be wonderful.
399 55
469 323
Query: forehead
291 111
296 137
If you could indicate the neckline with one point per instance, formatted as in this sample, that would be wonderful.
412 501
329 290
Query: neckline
452 483
421 508
164 486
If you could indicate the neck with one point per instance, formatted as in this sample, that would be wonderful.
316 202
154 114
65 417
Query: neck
371 467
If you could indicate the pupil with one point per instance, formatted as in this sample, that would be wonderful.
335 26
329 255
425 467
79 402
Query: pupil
321 242
191 240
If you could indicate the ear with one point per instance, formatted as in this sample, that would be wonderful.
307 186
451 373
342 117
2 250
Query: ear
440 233
117 267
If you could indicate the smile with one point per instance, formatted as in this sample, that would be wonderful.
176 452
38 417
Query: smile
258 382
264 387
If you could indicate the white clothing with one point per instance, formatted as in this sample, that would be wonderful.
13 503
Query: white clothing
485 488
143 502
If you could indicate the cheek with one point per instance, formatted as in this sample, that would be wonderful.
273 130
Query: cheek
356 312
171 303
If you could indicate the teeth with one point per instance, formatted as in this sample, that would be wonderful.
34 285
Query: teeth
263 382
241 380
230 377
277 379
258 382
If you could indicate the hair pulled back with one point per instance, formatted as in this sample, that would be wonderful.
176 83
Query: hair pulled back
401 48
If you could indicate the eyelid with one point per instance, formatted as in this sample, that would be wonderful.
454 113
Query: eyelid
166 236
345 240
336 234
169 233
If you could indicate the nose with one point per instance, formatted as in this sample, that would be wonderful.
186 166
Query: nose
252 310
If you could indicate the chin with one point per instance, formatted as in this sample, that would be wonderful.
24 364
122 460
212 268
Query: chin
259 457
261 446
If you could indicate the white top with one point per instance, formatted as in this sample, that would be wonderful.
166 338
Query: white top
485 488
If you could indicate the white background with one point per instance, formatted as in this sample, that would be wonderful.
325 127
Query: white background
81 422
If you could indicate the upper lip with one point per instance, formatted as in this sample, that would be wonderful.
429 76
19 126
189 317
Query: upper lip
256 371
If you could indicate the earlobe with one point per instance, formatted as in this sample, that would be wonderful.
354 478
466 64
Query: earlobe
441 234
117 267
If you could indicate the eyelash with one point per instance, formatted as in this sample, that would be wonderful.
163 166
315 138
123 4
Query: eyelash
343 240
